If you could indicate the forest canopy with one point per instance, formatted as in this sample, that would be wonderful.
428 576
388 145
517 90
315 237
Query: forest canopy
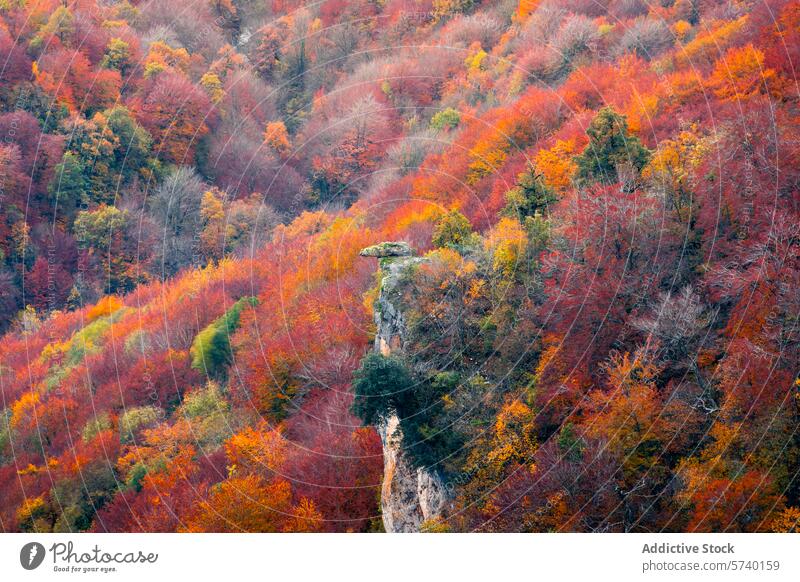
600 316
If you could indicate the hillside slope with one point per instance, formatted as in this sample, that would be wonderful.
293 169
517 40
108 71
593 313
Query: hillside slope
601 335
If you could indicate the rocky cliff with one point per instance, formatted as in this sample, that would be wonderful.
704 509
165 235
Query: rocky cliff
409 496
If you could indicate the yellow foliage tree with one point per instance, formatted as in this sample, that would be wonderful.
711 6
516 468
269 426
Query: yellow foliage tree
212 213
213 86
526 8
105 307
250 504
254 450
703 48
557 165
276 137
788 521
162 57
740 74
506 242
670 167
23 410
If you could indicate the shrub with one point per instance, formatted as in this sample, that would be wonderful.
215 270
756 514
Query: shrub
105 307
95 426
465 30
380 385
578 35
430 434
453 229
446 119
134 419
99 227
384 386
209 417
204 403
645 37
408 153
443 9
138 343
211 349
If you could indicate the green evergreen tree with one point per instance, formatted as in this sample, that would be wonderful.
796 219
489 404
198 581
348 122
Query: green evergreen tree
530 197
380 385
610 147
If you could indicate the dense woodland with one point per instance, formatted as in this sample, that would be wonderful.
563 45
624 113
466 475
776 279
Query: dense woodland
603 335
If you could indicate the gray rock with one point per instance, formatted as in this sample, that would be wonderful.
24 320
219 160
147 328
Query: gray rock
409 496
388 249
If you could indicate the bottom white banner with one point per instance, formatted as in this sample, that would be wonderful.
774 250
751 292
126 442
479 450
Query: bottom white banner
386 558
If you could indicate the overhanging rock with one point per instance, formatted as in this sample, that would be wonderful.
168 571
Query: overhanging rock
388 249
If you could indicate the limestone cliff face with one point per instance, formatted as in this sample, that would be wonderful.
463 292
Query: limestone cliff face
409 496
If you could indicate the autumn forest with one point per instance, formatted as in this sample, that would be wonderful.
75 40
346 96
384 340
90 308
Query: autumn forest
399 265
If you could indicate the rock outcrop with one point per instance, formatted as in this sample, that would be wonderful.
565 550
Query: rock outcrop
388 249
409 496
